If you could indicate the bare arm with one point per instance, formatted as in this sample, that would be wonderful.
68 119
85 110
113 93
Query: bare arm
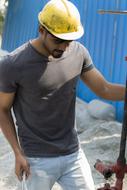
6 121
8 128
97 83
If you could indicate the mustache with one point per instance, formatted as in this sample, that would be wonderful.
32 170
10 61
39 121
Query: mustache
58 51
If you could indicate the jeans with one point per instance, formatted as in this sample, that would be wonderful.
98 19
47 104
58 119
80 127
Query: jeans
71 172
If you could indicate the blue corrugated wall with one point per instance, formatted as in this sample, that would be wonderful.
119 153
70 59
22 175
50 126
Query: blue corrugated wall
21 23
105 36
106 39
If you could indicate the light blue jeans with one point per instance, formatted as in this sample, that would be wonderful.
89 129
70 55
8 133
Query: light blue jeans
71 172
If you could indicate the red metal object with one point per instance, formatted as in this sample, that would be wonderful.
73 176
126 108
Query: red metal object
107 170
120 167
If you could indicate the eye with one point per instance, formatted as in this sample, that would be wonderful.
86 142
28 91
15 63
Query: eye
58 41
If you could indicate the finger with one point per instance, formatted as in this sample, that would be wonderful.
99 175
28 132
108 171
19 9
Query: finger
19 176
22 170
27 175
27 171
19 172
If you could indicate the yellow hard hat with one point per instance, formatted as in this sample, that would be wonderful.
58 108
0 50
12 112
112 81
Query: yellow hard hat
62 19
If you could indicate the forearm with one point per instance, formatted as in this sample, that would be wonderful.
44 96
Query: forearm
101 87
8 129
114 92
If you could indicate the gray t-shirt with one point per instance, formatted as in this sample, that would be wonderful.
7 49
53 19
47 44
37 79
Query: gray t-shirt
45 94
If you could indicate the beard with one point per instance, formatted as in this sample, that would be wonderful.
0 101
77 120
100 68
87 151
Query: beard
57 53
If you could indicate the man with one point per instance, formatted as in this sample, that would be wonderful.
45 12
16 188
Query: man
39 81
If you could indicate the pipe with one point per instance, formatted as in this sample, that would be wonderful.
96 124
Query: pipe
120 167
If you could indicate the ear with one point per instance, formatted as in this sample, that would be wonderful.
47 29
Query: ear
41 29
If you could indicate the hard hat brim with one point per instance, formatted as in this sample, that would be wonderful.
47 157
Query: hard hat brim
71 35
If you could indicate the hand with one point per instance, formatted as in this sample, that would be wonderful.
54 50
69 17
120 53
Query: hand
22 167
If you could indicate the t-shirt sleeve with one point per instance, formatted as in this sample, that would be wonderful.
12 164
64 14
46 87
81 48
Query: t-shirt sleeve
88 63
7 76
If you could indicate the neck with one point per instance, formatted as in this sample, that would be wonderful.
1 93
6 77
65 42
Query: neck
38 45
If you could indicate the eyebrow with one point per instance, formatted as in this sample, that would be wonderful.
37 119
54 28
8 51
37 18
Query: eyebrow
57 39
60 40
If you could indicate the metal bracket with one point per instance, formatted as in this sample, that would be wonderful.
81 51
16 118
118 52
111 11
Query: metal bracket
101 11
